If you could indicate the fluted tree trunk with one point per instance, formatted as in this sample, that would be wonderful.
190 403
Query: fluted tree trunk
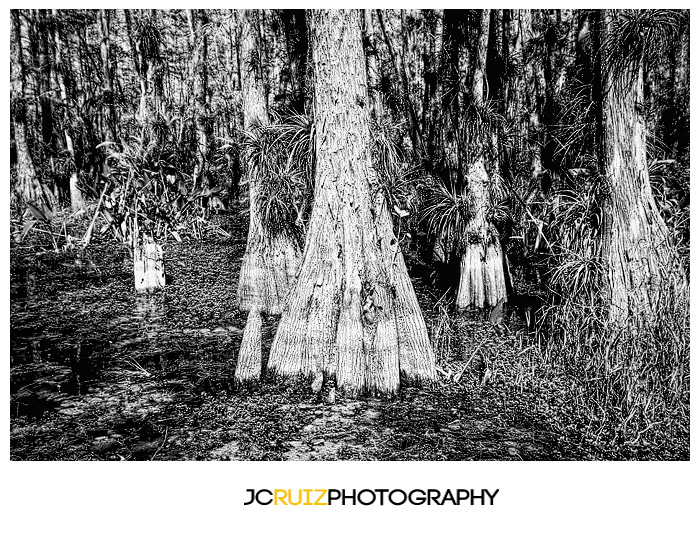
29 187
270 263
482 281
643 267
352 314
63 76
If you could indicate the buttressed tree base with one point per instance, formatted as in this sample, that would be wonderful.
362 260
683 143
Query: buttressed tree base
352 314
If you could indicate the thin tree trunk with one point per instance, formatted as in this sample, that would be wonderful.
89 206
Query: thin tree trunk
448 112
399 64
107 78
681 94
516 108
535 92
551 47
140 68
373 72
44 82
353 313
200 44
62 74
431 73
569 52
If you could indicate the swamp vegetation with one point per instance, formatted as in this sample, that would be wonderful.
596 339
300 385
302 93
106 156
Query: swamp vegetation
367 235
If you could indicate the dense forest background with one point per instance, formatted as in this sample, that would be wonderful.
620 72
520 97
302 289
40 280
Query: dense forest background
533 166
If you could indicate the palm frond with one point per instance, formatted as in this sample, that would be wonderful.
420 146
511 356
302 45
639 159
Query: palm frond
281 160
637 35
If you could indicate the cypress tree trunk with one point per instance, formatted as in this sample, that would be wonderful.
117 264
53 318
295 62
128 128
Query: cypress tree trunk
146 61
681 95
449 113
44 81
200 42
352 313
445 116
149 269
482 281
431 73
642 264
397 60
29 187
535 93
249 363
62 74
270 263
157 71
516 93
107 80
139 67
373 72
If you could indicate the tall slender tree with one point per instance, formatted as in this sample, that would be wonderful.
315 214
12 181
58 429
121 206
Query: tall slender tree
369 38
44 77
400 70
198 20
63 75
108 94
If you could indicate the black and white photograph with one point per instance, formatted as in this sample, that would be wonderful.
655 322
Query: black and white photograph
359 235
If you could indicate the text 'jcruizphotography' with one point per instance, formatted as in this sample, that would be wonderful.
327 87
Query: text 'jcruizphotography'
367 497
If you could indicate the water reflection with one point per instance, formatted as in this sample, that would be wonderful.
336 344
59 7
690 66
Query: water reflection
149 311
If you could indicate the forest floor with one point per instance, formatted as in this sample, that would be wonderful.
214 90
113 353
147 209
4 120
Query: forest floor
100 373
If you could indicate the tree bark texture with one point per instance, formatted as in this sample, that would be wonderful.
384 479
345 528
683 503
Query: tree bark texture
149 270
399 65
249 363
270 262
535 82
642 265
107 78
200 43
29 187
353 313
62 74
446 115
44 81
374 74
482 281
